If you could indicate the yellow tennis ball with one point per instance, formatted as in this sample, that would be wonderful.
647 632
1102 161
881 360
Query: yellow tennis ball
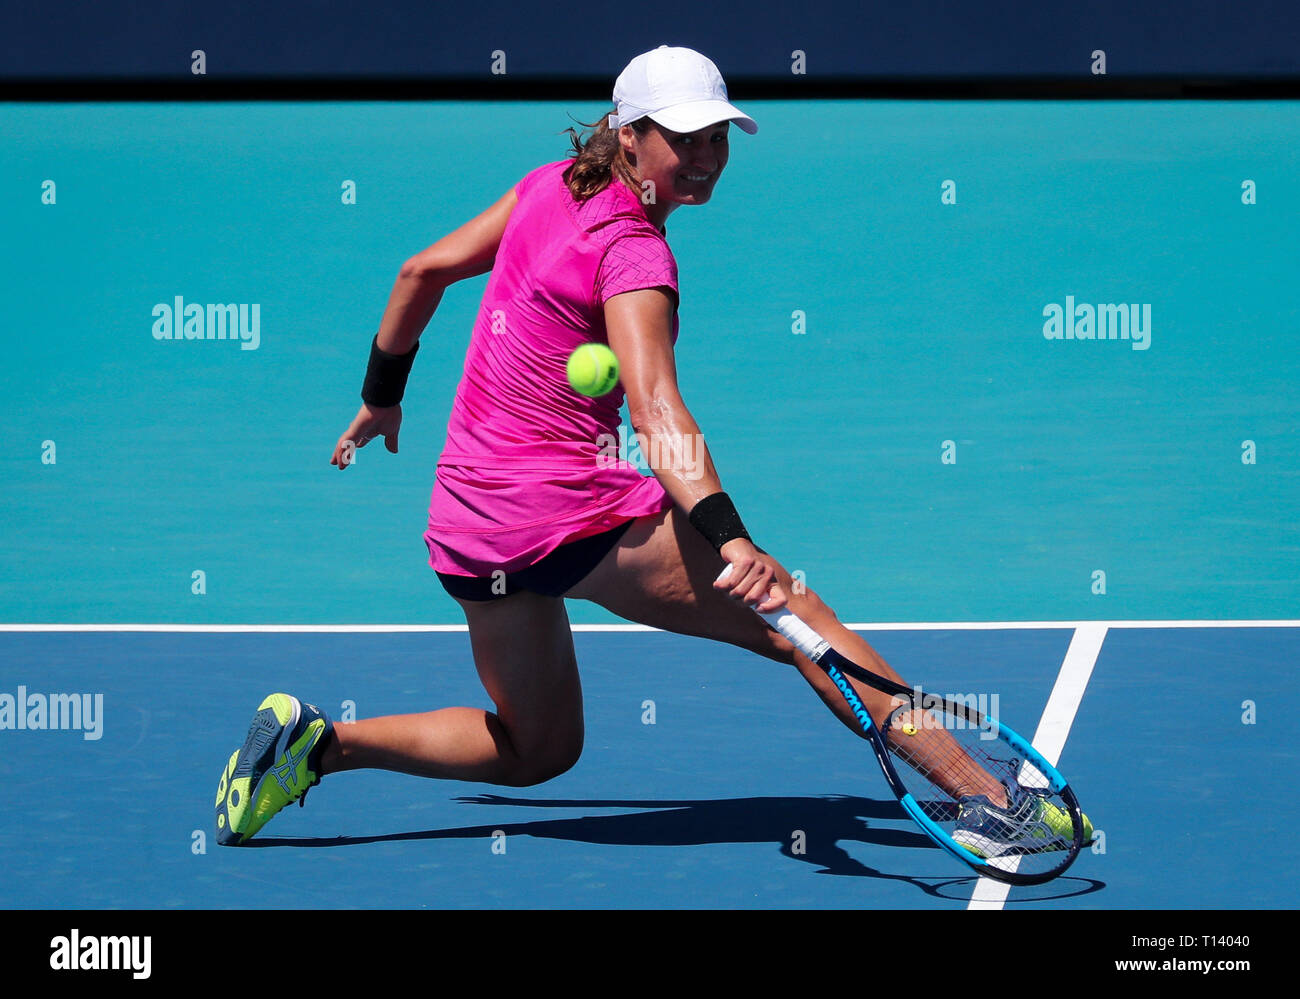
593 370
909 729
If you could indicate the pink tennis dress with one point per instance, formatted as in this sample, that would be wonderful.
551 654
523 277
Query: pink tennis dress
529 464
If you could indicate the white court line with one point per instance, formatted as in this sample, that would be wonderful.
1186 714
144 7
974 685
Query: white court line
423 628
1053 729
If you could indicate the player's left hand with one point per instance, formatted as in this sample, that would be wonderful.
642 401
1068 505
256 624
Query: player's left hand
369 423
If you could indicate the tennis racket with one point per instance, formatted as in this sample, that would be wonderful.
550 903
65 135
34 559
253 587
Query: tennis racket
977 788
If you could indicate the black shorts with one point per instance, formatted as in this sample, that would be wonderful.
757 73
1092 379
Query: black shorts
553 576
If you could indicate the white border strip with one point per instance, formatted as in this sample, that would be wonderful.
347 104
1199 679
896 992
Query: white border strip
423 628
1053 729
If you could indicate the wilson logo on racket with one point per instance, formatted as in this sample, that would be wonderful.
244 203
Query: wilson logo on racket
850 695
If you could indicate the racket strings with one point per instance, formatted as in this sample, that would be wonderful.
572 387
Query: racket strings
926 740
987 798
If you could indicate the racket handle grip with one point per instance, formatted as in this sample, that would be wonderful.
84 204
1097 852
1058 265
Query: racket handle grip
791 627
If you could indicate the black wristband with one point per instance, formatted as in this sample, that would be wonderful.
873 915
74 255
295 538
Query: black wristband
716 518
386 375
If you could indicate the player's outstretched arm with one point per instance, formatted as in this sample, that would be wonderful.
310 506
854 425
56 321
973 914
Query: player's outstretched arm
417 292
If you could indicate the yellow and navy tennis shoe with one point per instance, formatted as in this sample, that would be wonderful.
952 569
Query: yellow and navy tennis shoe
278 763
1029 824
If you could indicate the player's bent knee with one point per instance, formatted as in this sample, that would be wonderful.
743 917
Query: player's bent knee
532 773
547 763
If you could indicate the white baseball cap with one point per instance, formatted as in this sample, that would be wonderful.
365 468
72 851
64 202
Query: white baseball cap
677 87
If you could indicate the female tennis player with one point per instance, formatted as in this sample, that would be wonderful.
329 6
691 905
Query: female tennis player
527 509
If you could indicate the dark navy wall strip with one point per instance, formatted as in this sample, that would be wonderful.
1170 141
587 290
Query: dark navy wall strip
518 88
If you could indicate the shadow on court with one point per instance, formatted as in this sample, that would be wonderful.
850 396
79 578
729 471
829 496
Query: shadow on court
824 822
